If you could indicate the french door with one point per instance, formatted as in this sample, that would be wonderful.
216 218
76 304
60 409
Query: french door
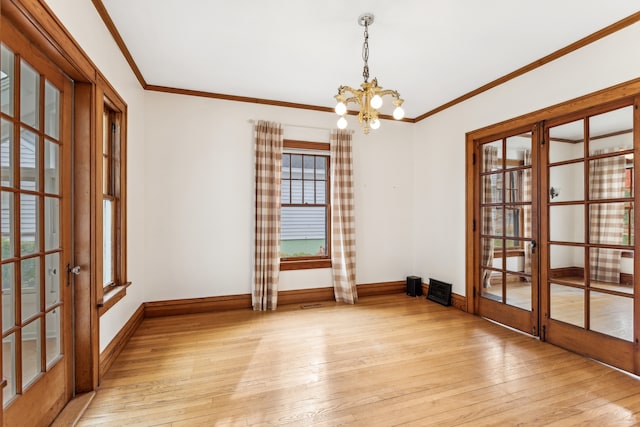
36 234
507 287
555 224
588 264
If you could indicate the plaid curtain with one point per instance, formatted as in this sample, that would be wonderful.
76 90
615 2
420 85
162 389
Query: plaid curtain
526 197
268 157
606 181
343 236
489 163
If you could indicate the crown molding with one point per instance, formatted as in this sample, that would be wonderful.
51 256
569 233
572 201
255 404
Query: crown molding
617 26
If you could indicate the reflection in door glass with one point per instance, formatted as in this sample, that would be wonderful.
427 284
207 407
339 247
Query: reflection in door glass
30 288
6 106
611 131
29 95
566 142
8 296
51 110
567 263
492 188
611 315
6 153
29 160
29 215
31 351
9 367
52 321
491 156
567 304
566 182
518 291
518 150
566 223
493 287
52 279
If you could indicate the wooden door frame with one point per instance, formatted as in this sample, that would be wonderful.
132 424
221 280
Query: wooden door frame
524 320
43 29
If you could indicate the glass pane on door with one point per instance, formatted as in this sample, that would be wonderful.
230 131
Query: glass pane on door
566 182
611 131
518 291
9 367
567 304
566 142
611 315
566 223
31 158
31 350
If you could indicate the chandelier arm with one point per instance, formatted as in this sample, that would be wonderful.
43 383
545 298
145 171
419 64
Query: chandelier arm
391 92
343 89
353 99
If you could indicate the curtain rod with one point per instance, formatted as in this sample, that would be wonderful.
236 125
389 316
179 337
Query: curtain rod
252 121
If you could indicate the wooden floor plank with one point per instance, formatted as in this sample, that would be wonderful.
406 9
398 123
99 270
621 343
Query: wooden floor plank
388 360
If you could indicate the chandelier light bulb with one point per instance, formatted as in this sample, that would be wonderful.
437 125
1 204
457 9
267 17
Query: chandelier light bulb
376 102
375 124
398 113
341 108
342 123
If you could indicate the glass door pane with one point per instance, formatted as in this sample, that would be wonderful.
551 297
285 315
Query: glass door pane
31 222
589 291
506 243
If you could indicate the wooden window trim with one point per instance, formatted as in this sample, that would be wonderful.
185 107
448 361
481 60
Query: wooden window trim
311 262
108 101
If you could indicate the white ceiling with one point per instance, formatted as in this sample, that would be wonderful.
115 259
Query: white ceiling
300 51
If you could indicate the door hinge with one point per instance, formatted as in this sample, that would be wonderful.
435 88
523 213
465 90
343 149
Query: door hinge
543 335
473 225
473 159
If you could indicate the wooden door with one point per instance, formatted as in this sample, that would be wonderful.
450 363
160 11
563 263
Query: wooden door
506 285
36 234
588 183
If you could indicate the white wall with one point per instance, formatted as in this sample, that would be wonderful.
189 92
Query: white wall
439 143
199 195
85 25
190 190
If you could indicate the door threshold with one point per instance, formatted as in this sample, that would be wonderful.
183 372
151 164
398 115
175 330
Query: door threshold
72 413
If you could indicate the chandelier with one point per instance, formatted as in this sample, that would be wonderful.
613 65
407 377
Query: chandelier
369 98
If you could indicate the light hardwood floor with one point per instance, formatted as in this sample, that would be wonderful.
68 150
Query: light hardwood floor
388 360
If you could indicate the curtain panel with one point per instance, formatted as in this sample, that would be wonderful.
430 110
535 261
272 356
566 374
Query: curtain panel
343 235
606 220
489 189
268 165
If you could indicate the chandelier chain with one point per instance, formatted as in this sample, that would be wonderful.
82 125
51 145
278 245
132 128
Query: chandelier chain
365 52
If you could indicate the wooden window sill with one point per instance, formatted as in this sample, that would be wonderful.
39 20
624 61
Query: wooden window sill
305 264
111 297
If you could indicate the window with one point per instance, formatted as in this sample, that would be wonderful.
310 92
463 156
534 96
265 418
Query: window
112 170
109 196
305 210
